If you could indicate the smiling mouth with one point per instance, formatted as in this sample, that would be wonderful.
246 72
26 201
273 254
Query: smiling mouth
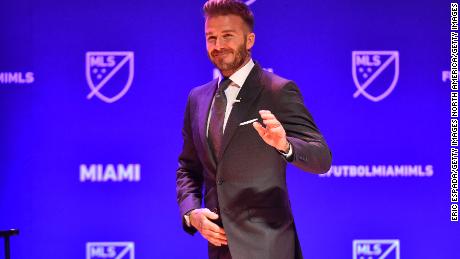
222 54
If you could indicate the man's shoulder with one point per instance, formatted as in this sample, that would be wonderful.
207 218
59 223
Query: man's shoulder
204 88
272 81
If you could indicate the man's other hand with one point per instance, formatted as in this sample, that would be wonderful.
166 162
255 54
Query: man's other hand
201 220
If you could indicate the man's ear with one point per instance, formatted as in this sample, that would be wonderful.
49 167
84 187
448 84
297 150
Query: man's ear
250 40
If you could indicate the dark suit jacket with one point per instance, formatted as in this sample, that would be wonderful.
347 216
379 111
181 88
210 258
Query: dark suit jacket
248 185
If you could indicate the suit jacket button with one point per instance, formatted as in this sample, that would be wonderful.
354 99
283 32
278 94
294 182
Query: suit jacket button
220 181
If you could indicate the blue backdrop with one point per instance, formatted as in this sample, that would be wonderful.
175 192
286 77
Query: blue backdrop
76 171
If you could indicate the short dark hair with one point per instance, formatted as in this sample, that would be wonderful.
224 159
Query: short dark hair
225 7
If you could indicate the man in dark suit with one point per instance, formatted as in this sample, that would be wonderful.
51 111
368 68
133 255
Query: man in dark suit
240 131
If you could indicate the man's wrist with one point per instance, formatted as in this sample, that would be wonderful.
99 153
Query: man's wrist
187 218
286 148
288 153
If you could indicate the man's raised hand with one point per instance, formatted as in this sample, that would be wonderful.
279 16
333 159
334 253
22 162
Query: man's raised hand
273 133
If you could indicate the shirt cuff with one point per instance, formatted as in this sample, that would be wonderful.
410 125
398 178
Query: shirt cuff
187 218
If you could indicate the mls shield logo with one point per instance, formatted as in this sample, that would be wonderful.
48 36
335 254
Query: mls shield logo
375 73
109 74
114 250
376 249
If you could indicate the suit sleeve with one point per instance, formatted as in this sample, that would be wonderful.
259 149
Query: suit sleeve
310 151
189 174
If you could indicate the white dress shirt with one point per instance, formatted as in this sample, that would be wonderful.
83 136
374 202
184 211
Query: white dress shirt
238 78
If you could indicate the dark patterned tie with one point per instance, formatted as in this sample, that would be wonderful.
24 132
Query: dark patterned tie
216 122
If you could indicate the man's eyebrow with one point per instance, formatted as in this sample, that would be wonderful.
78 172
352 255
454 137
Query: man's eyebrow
224 31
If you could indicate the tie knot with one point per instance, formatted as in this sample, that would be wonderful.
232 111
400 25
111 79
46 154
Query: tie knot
224 84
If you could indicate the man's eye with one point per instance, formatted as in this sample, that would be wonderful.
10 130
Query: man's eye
226 36
211 38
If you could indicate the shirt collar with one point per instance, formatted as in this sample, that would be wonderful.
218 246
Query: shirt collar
239 77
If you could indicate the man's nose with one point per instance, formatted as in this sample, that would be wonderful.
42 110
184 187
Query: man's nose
219 43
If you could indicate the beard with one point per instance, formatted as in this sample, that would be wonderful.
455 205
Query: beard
240 56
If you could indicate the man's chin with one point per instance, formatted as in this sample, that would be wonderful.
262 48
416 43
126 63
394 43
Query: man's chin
224 66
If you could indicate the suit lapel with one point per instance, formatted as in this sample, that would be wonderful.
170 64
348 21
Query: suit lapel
203 113
247 95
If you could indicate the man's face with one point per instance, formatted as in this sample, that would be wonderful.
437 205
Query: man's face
228 42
